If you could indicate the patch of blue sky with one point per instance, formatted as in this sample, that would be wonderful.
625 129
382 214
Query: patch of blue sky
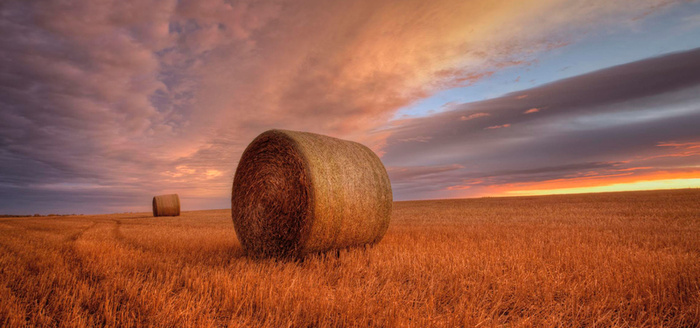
673 30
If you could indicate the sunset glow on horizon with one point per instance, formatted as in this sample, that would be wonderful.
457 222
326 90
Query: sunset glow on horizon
632 186
621 182
103 105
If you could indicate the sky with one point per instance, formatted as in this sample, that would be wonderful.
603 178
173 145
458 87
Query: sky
104 104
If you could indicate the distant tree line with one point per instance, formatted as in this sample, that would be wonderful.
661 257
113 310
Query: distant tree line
35 215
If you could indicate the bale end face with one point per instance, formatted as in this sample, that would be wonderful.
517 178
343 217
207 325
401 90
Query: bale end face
271 198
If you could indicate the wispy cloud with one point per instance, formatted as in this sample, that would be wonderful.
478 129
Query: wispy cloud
473 116
416 139
493 127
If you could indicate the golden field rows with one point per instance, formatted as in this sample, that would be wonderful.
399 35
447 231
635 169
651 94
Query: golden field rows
618 259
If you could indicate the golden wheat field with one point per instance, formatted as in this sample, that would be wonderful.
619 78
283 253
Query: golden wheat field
616 259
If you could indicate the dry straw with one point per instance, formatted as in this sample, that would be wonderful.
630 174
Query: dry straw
166 205
296 193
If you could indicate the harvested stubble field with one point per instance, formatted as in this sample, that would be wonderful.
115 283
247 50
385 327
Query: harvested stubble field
619 259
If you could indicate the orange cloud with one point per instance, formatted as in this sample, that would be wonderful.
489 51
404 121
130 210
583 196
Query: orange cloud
680 149
497 126
636 168
458 187
473 116
531 110
681 145
416 139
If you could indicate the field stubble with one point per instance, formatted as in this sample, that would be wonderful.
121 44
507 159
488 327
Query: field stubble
619 259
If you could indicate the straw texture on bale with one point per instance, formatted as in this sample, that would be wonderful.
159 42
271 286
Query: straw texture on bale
166 205
296 193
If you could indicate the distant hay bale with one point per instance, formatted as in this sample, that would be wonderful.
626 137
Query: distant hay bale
166 205
296 193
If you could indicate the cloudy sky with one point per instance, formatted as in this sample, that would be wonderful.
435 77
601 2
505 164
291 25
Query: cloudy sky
105 103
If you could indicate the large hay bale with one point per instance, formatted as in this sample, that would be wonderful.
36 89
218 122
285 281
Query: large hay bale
166 205
295 193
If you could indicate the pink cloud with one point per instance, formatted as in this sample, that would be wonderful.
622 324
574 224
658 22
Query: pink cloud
497 126
458 187
473 116
416 139
678 149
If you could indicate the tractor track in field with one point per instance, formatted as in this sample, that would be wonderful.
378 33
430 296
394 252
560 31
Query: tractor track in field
75 236
123 240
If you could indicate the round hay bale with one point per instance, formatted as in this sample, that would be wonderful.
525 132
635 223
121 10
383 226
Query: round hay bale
296 193
166 205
